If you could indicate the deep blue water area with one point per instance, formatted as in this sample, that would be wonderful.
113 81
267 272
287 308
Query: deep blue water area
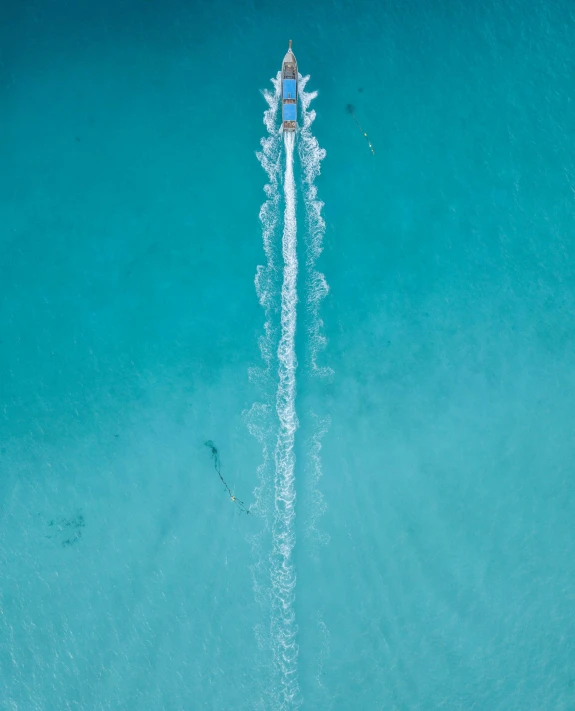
433 546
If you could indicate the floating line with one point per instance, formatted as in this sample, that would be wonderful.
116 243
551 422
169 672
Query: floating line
216 457
351 110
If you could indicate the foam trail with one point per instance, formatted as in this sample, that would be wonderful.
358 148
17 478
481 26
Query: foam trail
314 471
283 577
311 156
317 289
266 276
258 418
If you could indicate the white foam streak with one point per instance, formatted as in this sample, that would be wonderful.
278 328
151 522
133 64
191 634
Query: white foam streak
314 471
260 418
274 421
266 275
283 577
311 156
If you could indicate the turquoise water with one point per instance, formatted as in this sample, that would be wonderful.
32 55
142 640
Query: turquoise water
410 540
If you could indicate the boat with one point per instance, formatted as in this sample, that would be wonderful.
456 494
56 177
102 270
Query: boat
289 91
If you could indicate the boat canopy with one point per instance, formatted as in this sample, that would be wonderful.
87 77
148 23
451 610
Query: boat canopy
289 89
290 112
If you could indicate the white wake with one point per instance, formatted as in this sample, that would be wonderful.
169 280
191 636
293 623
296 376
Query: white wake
266 275
311 156
260 418
273 420
283 577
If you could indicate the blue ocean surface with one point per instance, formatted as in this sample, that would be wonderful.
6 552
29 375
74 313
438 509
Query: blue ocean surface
372 321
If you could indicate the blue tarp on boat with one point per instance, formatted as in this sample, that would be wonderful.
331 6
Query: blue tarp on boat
289 89
290 112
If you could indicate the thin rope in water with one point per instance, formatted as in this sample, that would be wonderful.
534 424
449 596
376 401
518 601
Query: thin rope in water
352 112
216 457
